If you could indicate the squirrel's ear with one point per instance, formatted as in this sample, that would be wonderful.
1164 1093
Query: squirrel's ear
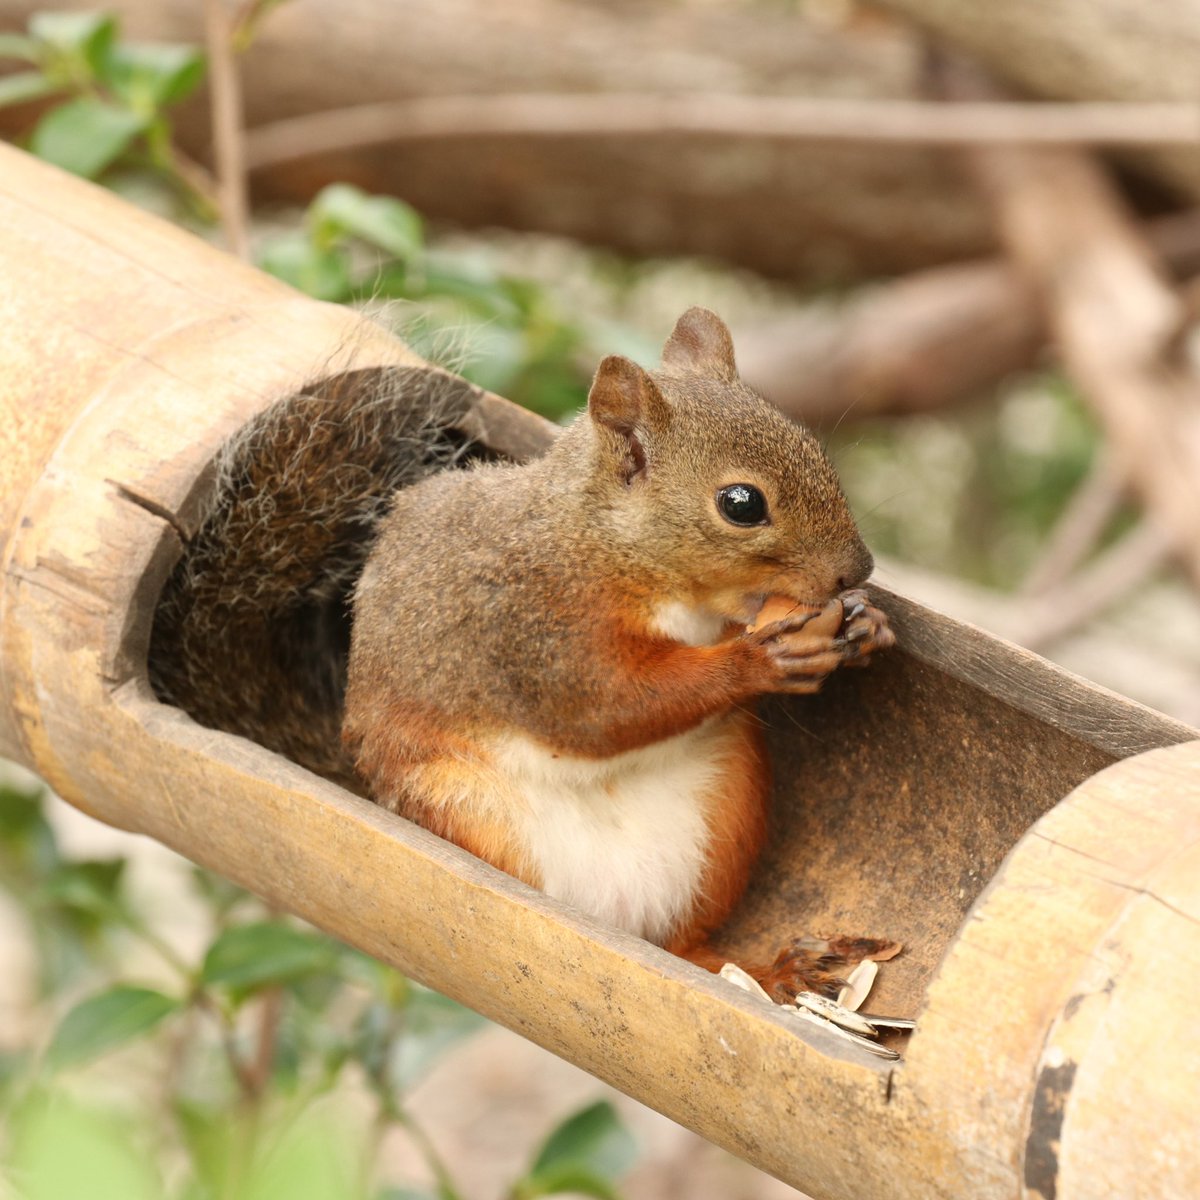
625 401
701 344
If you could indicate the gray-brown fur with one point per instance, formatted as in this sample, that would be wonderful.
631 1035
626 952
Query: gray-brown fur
484 591
252 630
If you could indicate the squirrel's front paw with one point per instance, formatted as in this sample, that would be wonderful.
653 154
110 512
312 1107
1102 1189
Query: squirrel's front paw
802 645
801 648
864 629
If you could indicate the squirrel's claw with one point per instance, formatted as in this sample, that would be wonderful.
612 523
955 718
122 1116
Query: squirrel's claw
864 630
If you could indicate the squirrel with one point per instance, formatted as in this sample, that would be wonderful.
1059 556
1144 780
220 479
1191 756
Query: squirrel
554 664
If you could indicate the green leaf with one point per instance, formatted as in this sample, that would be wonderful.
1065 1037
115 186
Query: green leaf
322 274
565 1177
593 1140
432 1024
91 886
13 45
361 969
58 1149
87 38
209 1136
310 1159
23 86
248 958
20 811
152 77
85 135
486 296
341 210
85 896
221 895
106 1021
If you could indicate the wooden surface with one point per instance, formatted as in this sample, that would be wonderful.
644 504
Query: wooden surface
1073 980
924 794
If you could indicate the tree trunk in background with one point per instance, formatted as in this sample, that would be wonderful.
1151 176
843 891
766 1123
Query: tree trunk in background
1084 50
817 212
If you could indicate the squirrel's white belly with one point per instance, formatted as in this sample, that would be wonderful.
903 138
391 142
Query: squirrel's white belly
622 838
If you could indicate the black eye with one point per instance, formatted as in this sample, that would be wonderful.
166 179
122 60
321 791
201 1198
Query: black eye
742 504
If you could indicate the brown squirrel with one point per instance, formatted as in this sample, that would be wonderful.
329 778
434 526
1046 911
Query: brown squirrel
550 663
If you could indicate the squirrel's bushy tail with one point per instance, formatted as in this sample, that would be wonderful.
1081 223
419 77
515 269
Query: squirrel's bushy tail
252 631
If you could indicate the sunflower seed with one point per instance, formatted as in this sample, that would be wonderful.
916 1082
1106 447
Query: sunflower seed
858 985
739 978
900 1024
866 1043
834 1012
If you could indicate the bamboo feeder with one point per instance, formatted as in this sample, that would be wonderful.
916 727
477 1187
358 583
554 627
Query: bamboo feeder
1033 841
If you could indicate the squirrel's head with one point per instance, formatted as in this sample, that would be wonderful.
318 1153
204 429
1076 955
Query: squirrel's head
731 498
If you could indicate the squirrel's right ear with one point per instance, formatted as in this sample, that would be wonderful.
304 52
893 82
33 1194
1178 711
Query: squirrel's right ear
625 401
701 343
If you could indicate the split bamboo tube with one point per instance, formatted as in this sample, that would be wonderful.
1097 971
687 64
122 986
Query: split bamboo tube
1034 842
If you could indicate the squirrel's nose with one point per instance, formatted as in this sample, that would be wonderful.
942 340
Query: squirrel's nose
858 570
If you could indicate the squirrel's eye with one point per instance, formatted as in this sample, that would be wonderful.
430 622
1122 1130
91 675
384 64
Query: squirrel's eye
742 504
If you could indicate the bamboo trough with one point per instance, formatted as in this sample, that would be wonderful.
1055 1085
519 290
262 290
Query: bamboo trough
1033 841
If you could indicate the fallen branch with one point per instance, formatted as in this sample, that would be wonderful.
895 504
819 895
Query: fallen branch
1114 319
545 114
835 212
1114 50
921 342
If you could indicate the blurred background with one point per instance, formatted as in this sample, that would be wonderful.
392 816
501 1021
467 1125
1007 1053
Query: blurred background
960 240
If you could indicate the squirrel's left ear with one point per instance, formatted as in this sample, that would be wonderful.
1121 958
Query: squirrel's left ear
626 404
701 344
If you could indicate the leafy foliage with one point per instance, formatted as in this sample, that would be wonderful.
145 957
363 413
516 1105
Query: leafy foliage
248 958
354 247
583 1155
102 1022
253 1034
110 121
112 97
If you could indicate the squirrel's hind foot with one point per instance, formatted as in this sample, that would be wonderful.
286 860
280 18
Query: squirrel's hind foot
819 965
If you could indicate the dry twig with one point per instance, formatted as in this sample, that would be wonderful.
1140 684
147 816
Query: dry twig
1087 593
1092 506
911 122
228 132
